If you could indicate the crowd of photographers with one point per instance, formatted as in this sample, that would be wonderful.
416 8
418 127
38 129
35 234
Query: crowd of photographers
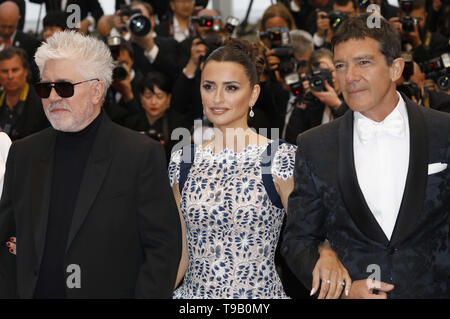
159 48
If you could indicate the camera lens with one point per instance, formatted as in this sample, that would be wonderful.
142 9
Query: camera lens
139 25
443 82
119 73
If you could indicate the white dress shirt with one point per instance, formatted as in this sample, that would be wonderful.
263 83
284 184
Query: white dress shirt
178 34
381 164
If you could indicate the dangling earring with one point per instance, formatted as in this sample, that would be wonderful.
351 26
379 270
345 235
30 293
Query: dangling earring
251 111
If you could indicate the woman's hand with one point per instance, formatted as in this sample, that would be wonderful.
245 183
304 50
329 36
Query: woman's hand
12 245
330 274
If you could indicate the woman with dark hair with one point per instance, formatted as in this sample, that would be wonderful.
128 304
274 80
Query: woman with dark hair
232 192
156 118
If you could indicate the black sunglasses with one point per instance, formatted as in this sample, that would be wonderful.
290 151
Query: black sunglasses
63 88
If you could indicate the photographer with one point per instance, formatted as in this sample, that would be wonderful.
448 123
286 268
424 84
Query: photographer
317 105
186 92
151 51
275 41
328 22
156 118
423 43
122 96
426 96
178 26
438 18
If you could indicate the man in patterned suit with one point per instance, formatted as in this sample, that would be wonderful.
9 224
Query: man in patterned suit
374 182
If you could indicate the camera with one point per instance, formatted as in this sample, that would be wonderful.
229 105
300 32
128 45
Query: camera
438 70
406 6
410 89
408 70
336 18
277 36
295 84
208 21
287 60
407 22
137 23
120 72
317 79
231 23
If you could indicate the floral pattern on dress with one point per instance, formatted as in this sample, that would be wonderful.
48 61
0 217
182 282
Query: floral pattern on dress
232 227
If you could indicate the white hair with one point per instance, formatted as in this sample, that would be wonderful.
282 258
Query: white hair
93 57
301 41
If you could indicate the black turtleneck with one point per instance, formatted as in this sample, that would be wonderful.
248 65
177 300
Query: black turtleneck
72 150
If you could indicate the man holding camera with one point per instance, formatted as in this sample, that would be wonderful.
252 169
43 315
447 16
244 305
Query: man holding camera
427 97
423 43
151 52
179 25
122 96
328 22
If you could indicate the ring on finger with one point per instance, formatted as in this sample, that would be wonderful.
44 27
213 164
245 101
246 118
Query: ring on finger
341 283
328 281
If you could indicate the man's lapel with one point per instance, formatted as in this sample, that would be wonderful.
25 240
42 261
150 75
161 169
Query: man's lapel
416 180
95 172
41 186
348 184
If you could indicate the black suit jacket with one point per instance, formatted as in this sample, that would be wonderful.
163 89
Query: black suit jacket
30 116
125 233
166 61
327 203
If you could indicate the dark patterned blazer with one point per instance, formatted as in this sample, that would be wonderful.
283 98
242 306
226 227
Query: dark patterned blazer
327 202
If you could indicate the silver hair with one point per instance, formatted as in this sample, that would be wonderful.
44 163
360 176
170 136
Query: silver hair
301 41
93 57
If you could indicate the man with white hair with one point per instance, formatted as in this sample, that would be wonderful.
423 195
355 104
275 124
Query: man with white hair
89 201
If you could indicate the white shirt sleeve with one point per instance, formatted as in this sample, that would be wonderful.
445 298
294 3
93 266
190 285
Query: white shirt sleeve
318 40
5 144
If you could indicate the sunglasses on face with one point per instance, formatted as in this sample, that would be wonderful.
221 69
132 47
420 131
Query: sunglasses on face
63 89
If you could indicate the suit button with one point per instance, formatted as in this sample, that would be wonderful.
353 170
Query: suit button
284 250
36 272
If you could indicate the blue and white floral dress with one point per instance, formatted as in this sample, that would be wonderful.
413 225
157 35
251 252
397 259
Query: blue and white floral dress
232 226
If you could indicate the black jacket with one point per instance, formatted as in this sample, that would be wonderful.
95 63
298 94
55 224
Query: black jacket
125 234
30 116
327 203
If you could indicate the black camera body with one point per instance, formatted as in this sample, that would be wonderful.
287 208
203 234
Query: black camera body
120 72
277 36
410 89
317 79
408 21
438 70
287 60
208 21
137 23
336 18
